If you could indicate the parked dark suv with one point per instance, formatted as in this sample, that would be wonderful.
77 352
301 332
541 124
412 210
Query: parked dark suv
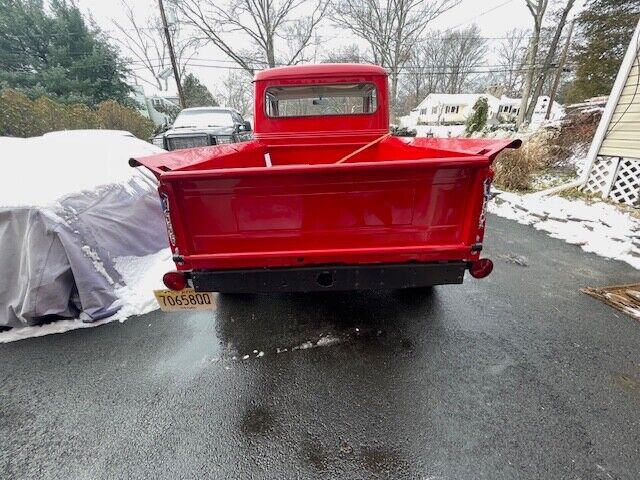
202 126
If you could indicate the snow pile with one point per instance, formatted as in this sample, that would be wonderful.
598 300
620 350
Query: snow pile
40 171
141 275
598 228
440 131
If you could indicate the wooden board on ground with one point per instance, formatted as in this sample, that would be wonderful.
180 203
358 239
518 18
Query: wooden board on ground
625 298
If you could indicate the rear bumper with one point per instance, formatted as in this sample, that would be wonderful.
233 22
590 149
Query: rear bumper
328 277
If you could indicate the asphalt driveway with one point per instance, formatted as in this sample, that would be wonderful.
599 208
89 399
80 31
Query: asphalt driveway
516 376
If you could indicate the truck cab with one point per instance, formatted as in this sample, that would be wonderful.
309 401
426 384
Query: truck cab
323 197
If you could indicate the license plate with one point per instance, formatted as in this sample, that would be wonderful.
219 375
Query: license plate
187 299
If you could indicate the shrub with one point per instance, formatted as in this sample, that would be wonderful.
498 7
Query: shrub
114 116
22 117
397 131
478 119
574 136
514 167
16 114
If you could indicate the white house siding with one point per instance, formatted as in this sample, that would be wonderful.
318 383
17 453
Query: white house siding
623 135
614 156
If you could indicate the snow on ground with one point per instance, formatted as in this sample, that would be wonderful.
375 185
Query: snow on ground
439 130
599 227
141 276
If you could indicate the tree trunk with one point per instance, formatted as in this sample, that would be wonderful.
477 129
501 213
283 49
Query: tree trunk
542 78
270 52
394 88
528 79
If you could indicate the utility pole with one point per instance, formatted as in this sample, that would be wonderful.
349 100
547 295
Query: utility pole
167 35
561 63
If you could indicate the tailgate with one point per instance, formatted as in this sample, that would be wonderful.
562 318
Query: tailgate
426 210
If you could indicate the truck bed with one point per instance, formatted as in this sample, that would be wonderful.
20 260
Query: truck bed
401 200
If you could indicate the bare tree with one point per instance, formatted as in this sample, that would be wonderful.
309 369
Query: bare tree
423 71
277 32
347 54
441 63
549 58
537 8
511 60
465 51
390 27
236 91
146 43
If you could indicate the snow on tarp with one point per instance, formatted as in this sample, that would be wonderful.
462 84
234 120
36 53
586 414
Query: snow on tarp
73 214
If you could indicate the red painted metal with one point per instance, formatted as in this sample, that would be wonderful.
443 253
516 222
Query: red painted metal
400 200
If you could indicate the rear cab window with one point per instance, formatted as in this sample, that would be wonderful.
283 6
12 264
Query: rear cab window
321 100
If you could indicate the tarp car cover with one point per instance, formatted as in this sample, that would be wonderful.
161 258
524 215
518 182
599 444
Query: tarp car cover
69 206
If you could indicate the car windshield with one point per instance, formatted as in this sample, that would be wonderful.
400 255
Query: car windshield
203 118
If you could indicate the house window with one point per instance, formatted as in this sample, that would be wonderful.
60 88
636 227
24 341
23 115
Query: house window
423 111
156 102
434 110
452 109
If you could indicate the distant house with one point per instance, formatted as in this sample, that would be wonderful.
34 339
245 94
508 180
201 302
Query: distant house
446 109
540 112
454 109
614 155
155 106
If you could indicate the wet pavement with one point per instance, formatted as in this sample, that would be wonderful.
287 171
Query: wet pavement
515 376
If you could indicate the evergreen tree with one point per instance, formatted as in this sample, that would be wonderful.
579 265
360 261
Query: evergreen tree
196 94
54 52
605 29
478 118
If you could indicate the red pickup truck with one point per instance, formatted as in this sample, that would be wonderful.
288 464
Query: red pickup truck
323 198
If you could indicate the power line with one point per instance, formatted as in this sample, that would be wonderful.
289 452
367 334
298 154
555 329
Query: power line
481 14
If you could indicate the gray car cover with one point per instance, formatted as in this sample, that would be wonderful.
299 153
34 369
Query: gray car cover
58 250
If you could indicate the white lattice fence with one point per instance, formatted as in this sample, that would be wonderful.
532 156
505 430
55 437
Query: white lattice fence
626 184
615 178
601 175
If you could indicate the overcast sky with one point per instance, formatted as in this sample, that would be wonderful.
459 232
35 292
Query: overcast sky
494 17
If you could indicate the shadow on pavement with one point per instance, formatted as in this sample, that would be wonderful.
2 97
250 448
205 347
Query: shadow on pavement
280 321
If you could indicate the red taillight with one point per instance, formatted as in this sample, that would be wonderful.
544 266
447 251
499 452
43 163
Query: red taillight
481 268
174 280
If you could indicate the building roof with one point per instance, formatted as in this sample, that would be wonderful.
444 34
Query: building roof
320 70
